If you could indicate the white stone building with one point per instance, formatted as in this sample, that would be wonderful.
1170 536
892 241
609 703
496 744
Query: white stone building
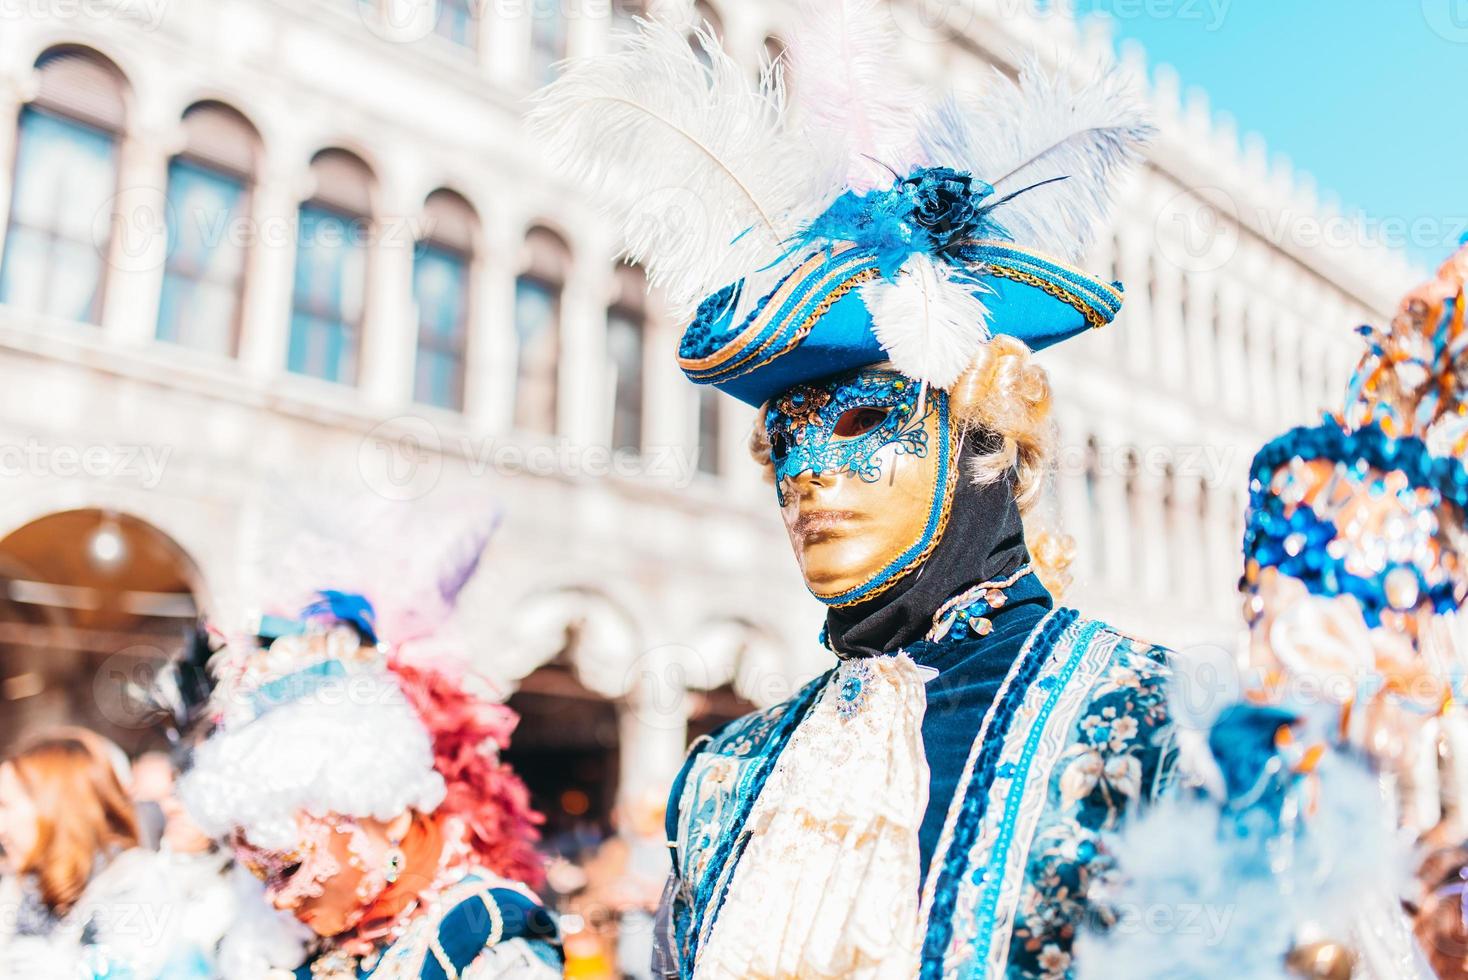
259 249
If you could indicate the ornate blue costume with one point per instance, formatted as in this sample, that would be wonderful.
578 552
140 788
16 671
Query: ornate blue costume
1040 736
874 279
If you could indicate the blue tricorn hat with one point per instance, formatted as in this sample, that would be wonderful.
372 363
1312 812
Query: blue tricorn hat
873 225
816 322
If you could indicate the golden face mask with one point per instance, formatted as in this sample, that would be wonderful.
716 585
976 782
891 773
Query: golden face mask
865 468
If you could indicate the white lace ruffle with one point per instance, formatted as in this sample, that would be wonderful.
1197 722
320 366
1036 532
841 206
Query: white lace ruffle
828 885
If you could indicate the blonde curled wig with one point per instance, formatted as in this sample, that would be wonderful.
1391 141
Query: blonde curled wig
1005 394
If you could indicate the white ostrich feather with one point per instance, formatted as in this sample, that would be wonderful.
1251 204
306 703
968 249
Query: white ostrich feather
848 90
930 320
692 162
1042 128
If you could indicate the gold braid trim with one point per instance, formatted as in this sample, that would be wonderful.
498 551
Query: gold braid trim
822 308
1093 318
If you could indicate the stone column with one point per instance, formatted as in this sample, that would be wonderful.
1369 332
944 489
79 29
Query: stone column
1152 550
1190 580
1070 482
270 265
582 394
489 383
390 322
1200 350
137 246
1137 318
1262 324
1170 364
1120 536
1233 370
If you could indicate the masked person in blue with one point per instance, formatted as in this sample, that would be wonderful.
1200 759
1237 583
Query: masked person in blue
873 270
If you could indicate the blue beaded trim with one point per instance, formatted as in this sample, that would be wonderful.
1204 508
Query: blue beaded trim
708 894
976 797
999 853
1294 539
1369 445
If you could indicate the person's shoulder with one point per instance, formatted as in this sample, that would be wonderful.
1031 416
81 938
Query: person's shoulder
1126 651
488 913
1127 712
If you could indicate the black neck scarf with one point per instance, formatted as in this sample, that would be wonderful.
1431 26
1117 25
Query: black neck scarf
983 542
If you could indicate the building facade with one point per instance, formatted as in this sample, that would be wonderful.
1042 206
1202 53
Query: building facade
263 250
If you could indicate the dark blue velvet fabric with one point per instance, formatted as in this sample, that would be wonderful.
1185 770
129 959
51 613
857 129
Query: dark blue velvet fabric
465 930
970 672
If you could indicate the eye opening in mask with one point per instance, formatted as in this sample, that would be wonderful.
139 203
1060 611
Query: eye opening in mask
859 421
779 446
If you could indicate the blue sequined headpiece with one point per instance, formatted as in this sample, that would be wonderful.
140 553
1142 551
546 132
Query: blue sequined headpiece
1303 521
1399 450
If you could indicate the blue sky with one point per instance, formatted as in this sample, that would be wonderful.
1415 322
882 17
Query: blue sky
1371 96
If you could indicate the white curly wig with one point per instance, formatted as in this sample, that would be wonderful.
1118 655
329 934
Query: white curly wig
344 741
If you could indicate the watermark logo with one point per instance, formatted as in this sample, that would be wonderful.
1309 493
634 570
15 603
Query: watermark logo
123 686
1210 14
399 21
131 230
138 228
401 459
1448 19
671 219
1198 230
936 21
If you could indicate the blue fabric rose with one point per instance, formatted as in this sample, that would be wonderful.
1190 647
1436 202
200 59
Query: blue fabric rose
946 203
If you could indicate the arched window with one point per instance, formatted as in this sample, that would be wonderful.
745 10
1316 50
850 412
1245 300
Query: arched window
548 36
710 445
329 299
627 352
441 294
208 194
538 329
457 21
65 174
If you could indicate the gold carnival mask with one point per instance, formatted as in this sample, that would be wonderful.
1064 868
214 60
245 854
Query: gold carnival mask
865 466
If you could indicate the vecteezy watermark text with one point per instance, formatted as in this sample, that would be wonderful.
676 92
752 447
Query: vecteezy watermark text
148 14
403 459
143 463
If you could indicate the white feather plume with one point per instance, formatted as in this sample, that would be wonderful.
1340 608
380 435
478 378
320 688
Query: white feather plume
693 162
1044 127
930 321
847 89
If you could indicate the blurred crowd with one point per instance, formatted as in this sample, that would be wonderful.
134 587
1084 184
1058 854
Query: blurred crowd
100 863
